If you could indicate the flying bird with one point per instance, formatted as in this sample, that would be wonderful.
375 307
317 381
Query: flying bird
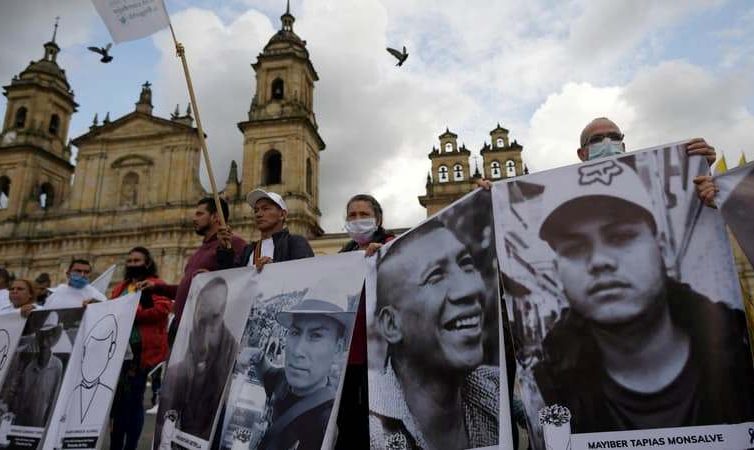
106 58
400 56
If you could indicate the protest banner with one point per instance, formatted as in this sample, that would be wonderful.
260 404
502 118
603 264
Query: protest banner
91 379
35 374
284 392
202 358
11 326
624 306
434 339
735 199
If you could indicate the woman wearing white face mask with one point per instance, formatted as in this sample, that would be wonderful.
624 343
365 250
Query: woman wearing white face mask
364 226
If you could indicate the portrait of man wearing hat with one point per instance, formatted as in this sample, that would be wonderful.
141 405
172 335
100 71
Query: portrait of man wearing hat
435 390
300 395
38 384
194 386
277 244
634 348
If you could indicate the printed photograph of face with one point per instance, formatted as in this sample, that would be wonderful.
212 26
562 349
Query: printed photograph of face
36 369
608 302
204 353
293 355
433 323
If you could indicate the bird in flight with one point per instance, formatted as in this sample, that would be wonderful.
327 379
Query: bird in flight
106 58
400 56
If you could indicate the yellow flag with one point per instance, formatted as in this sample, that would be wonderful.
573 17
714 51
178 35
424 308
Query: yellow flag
721 166
742 159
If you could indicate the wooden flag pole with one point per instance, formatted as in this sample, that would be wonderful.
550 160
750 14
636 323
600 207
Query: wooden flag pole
182 54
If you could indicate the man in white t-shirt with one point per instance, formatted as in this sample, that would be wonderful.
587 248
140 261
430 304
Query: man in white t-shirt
77 290
4 284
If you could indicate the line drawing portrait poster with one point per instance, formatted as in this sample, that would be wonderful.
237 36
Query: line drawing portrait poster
205 349
285 386
36 371
88 387
11 327
434 335
624 306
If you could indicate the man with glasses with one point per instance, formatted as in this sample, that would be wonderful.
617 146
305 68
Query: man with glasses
602 137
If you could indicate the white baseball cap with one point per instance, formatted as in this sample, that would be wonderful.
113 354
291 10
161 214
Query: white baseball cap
609 178
257 194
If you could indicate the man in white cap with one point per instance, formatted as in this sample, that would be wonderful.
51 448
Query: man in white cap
635 349
301 394
276 243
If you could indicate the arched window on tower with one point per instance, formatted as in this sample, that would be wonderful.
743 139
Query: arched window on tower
278 89
4 192
272 168
54 125
457 172
129 190
20 117
46 196
442 174
448 147
499 143
510 168
495 169
309 175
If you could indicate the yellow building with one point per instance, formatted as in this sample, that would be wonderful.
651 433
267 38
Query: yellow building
137 177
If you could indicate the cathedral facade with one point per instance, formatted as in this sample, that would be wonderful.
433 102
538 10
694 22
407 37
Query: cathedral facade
136 179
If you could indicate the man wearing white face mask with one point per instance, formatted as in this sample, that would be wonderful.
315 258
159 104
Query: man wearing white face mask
601 137
364 226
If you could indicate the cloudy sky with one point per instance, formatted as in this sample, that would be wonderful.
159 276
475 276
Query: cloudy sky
665 71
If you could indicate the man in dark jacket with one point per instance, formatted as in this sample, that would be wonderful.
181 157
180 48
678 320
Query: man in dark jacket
634 349
276 243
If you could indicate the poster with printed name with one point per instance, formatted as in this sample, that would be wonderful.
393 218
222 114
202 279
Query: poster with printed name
285 386
434 335
88 387
202 358
624 306
11 326
35 375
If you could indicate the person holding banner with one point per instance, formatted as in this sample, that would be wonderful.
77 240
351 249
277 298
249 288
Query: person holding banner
76 291
21 295
207 223
364 227
276 244
434 392
149 345
636 349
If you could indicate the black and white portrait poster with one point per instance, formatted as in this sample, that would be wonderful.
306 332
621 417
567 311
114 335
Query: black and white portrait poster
87 390
434 335
736 202
11 327
202 358
624 306
35 375
286 382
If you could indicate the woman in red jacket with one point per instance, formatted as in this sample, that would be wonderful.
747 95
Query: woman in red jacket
149 345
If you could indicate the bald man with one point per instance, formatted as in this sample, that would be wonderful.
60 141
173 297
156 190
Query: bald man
194 387
602 137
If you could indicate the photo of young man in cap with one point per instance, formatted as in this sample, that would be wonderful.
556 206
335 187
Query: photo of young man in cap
633 348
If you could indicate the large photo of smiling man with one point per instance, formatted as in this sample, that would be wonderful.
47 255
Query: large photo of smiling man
435 379
625 338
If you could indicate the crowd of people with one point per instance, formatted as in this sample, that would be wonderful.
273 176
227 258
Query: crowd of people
153 330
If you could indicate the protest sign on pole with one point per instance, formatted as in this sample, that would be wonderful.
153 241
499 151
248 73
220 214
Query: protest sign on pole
134 19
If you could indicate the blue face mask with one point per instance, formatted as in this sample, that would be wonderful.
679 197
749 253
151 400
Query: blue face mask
77 281
607 147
